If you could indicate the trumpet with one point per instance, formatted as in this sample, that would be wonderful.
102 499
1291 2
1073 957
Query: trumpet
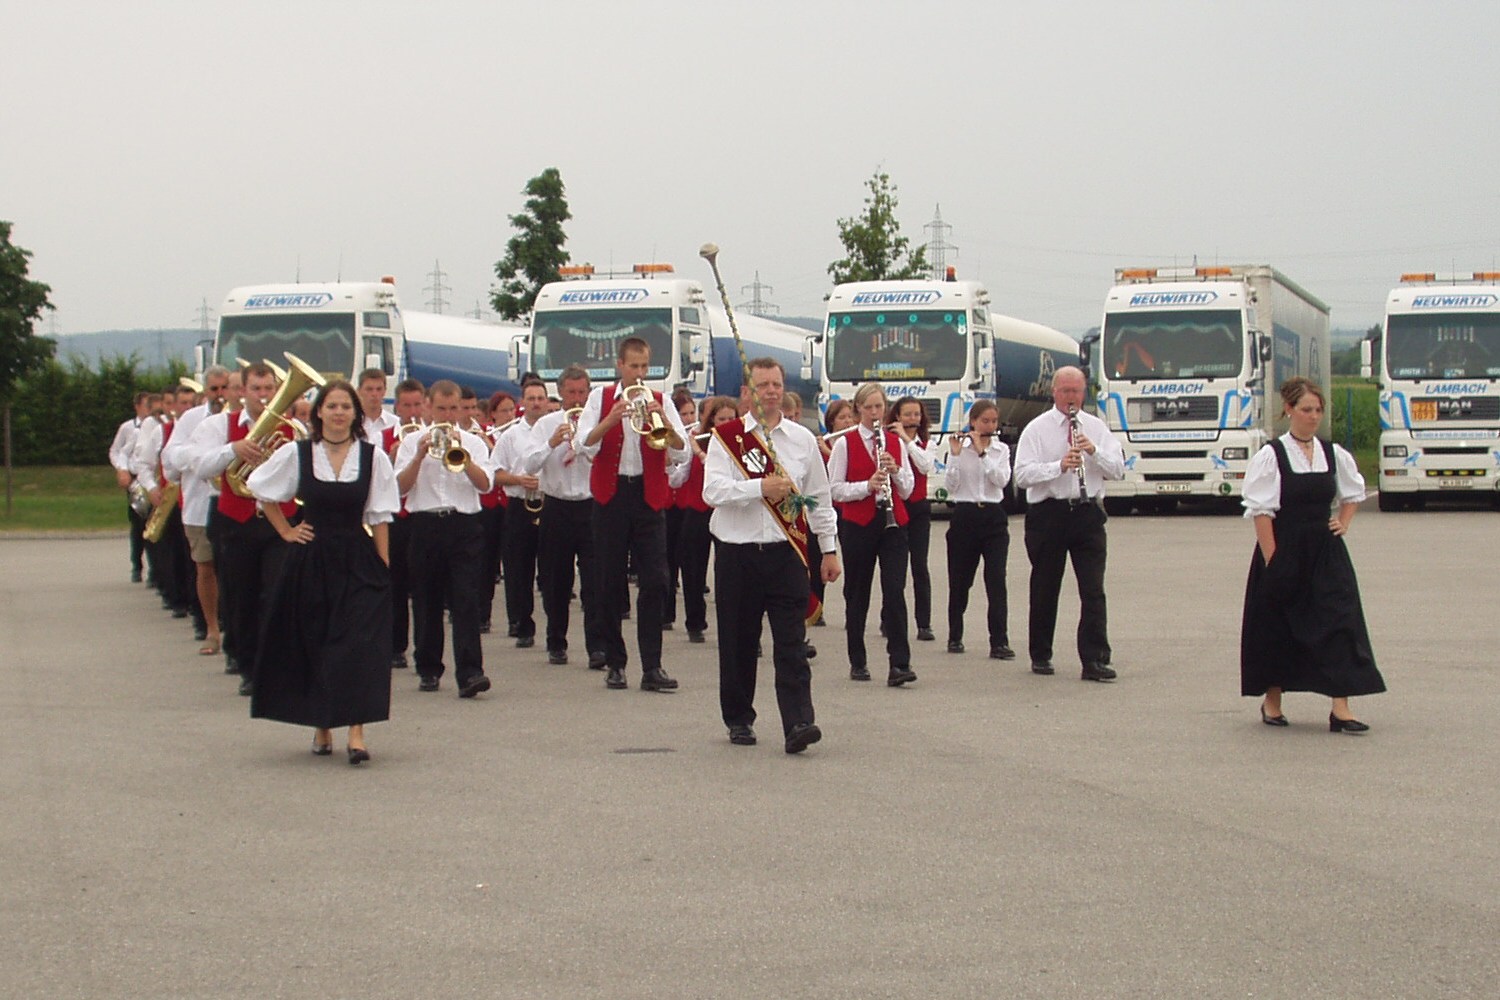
444 444
645 422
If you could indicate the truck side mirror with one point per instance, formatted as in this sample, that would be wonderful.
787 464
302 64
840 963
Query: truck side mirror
513 360
200 359
1086 350
1366 359
806 370
984 365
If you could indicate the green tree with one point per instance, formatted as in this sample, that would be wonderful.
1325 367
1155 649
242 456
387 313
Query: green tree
21 303
873 242
534 254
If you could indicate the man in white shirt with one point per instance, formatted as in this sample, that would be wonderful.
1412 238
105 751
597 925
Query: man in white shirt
446 538
1062 460
371 390
518 548
762 555
177 461
119 457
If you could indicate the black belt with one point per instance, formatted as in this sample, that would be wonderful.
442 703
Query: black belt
631 479
758 546
980 504
440 512
1072 503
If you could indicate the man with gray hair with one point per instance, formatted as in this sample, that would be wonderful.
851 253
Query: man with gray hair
177 461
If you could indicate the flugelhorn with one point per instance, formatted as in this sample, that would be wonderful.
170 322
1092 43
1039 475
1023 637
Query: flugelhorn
646 422
444 444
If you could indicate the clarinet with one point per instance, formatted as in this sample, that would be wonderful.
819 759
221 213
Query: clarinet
884 502
1083 492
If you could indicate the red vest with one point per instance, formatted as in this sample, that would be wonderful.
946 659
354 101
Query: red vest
690 493
231 504
604 476
387 441
860 468
919 480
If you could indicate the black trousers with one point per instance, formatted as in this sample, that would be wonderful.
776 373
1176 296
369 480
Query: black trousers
694 544
252 555
1056 530
137 540
400 548
566 539
754 580
492 520
978 531
519 555
214 528
864 546
919 537
673 516
444 565
623 528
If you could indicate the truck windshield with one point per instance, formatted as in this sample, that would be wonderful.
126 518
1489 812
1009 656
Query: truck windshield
1177 344
591 338
1447 345
324 340
899 344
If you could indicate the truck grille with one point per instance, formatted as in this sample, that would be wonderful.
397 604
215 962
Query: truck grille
1174 477
933 408
1174 454
1180 408
1455 408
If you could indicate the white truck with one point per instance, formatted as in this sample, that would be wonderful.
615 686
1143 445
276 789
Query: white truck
938 341
1186 369
343 328
583 318
1439 375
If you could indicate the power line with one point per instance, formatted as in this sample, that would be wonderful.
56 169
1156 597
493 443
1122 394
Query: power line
759 304
938 245
437 288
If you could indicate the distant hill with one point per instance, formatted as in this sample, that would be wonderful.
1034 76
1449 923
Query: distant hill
153 348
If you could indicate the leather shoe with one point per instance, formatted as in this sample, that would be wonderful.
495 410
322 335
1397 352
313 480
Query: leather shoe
1272 720
557 656
135 576
512 630
615 679
742 736
1337 725
473 686
858 674
428 684
954 646
596 660
802 736
1043 667
657 680
1002 652
900 676
398 662
358 755
200 633
322 749
179 612
696 635
525 641
1097 672
810 650
231 665
925 635
247 686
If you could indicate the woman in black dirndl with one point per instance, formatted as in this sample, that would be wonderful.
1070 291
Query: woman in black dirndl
1303 627
325 653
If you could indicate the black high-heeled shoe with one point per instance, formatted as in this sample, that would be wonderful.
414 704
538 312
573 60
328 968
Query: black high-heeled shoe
321 749
1272 720
358 755
1337 725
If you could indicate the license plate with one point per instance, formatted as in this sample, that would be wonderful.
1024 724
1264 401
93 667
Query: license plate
1424 409
1172 487
1455 484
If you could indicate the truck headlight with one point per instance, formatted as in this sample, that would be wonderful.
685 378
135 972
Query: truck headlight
1394 451
1235 454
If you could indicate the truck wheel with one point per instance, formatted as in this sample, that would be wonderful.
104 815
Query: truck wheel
1388 502
1116 506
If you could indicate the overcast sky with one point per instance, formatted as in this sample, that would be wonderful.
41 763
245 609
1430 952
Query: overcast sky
156 154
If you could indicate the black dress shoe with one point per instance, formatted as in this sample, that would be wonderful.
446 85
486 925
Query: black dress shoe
525 641
358 755
1337 725
247 687
695 635
200 633
596 660
668 626
925 635
512 630
615 679
1272 720
657 680
821 623
810 650
802 736
473 686
1002 652
1097 672
557 656
321 749
181 612
1043 667
231 665
135 576
859 674
742 736
484 628
428 684
398 662
900 676
954 646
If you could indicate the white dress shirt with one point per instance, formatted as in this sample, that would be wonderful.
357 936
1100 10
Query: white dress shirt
436 488
974 479
1040 452
560 477
516 442
630 452
146 452
838 466
212 451
1263 477
374 429
119 449
739 514
177 462
277 479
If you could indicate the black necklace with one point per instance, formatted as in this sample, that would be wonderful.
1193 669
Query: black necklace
344 441
1300 440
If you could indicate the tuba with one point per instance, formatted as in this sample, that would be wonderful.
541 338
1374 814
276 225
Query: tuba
267 429
647 423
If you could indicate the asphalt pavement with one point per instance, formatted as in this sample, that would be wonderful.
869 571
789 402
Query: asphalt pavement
982 833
